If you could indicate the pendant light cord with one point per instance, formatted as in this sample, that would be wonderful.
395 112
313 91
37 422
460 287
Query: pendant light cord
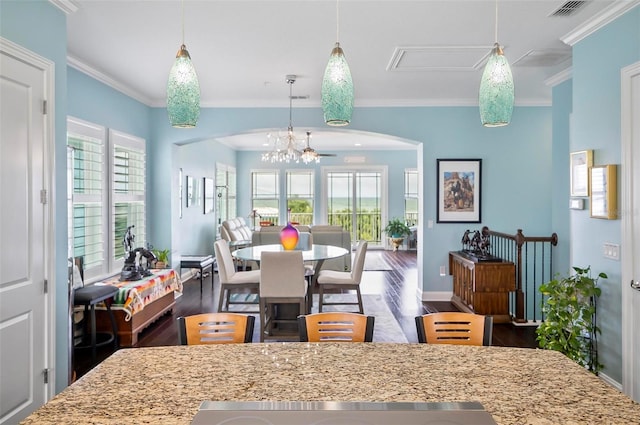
337 21
290 103
183 22
496 32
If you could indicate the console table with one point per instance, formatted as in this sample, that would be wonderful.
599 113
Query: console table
482 287
202 263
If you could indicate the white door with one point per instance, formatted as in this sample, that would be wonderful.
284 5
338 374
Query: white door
631 230
23 346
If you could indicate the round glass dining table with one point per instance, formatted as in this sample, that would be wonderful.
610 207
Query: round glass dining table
317 253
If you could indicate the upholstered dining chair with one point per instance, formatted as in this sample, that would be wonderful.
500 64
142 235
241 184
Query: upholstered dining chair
331 279
336 326
454 328
232 281
215 328
282 281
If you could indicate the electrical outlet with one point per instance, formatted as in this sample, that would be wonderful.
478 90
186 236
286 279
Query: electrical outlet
443 270
430 224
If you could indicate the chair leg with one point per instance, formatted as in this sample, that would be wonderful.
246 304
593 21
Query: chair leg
221 301
320 298
263 318
359 300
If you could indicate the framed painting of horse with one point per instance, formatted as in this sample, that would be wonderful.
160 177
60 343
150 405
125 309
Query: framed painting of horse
459 190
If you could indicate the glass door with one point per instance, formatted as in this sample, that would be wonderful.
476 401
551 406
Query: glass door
354 200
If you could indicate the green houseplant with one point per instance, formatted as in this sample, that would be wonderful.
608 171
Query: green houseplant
397 228
569 307
162 256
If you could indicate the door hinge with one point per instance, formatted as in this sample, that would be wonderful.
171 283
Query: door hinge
44 107
45 376
43 196
46 286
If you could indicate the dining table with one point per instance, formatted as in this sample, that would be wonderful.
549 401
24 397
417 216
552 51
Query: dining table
316 253
168 384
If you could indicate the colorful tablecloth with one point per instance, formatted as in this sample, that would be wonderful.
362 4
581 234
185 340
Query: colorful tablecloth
132 296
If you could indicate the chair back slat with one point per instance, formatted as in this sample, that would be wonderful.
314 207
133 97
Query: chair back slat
336 327
454 328
215 328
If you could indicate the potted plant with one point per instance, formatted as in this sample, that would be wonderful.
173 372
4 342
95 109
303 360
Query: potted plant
397 229
569 307
162 256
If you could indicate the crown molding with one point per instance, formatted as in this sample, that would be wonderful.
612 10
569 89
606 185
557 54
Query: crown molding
67 6
560 77
606 16
105 79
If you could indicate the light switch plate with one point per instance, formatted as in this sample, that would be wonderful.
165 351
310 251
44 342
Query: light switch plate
576 204
611 251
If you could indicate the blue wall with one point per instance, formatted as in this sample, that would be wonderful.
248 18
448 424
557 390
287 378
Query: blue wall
17 21
597 61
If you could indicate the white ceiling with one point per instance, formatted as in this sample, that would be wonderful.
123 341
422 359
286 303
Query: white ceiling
401 53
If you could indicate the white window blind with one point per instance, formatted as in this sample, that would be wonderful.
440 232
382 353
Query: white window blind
128 187
265 199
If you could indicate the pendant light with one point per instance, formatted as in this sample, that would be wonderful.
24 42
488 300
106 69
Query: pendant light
496 87
183 89
284 150
337 85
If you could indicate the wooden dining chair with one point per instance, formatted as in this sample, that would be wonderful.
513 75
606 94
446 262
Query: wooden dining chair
215 328
336 327
454 328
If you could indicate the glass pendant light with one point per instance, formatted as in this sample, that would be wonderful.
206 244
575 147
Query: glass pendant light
183 89
337 86
496 94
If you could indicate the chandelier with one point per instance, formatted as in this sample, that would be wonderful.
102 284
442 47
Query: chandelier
285 149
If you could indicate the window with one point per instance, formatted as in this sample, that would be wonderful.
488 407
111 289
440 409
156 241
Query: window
300 196
411 181
265 194
226 192
108 195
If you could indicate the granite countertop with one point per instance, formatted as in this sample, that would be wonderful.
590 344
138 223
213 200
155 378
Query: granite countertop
165 385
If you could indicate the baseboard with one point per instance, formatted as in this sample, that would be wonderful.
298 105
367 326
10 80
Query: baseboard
615 384
434 295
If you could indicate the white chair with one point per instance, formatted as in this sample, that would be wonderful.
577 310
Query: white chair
232 280
331 279
281 282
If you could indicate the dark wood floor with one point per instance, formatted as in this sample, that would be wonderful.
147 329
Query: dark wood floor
397 286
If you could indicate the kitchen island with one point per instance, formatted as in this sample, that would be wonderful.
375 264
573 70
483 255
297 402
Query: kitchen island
165 385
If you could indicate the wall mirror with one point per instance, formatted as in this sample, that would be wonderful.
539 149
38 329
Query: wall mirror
604 202
208 195
189 191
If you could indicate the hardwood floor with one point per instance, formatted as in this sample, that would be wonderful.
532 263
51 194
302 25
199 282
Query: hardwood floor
397 286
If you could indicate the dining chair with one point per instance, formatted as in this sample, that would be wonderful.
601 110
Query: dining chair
215 328
232 281
282 281
336 326
331 279
454 328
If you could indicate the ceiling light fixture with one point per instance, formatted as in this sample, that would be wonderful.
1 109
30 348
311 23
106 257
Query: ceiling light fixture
337 85
183 89
496 94
284 150
309 154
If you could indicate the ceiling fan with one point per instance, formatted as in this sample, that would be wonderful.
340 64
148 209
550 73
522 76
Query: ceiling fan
309 154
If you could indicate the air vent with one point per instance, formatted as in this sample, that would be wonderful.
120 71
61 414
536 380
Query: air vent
568 8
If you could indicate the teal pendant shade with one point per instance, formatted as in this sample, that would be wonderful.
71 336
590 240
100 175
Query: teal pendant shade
337 90
183 92
496 91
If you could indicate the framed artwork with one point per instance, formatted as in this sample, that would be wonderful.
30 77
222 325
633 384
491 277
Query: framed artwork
189 191
459 190
580 162
180 184
208 195
604 199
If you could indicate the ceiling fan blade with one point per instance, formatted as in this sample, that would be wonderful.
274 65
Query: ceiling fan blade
326 154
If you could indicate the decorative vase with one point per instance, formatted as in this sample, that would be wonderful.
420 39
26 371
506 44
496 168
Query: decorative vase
289 237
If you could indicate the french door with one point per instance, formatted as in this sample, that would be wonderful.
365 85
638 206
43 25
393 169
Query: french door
355 198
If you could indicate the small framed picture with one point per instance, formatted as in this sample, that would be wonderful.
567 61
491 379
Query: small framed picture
459 190
580 162
604 199
208 195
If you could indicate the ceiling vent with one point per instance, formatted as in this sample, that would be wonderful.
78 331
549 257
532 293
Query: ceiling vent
568 8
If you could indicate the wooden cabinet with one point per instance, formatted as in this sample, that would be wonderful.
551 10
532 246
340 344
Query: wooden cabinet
482 287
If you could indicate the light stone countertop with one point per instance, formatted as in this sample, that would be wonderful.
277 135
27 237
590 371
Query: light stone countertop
165 385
